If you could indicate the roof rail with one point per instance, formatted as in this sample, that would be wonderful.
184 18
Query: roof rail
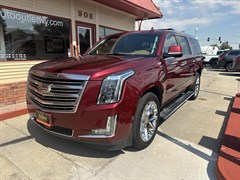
168 29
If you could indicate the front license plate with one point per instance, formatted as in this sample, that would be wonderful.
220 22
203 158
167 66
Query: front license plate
43 118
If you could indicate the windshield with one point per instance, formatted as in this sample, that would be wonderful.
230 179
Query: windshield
137 44
103 47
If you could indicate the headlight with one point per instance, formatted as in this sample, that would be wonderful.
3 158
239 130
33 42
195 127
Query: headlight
111 88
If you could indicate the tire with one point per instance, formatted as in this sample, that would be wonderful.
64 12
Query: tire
214 64
195 87
146 121
229 67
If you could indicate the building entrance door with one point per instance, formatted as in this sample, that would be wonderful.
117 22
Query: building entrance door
85 37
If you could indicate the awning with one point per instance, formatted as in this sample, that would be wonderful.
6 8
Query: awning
142 9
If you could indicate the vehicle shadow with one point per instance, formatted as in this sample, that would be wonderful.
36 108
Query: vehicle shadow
215 70
215 144
207 142
66 145
237 74
211 159
223 72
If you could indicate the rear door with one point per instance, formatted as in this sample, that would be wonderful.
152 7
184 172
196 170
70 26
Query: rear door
187 62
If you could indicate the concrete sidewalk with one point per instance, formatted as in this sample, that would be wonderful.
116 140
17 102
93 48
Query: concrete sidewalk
28 152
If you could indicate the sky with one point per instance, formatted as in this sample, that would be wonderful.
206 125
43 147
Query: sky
203 18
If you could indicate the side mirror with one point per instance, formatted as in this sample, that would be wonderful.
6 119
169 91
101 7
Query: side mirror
173 51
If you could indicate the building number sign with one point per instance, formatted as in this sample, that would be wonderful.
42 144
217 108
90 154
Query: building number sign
85 14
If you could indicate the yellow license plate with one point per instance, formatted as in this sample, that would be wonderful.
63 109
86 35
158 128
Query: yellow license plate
43 118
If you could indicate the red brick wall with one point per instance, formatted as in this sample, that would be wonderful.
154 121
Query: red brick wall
12 93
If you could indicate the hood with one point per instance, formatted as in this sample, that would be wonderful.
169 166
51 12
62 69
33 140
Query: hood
94 66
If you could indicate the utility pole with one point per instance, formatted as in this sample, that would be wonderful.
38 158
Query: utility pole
196 29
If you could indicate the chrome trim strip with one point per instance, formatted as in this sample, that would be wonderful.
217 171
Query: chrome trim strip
52 94
96 136
54 103
59 75
102 135
188 95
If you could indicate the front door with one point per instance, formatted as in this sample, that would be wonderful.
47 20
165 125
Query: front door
85 37
179 71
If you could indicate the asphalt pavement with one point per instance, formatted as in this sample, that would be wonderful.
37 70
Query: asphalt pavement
185 147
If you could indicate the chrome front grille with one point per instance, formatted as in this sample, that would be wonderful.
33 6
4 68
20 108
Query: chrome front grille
55 92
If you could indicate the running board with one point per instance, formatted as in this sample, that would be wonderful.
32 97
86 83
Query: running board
167 111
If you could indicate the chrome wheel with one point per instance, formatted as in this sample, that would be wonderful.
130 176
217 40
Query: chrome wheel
197 86
229 67
146 120
148 123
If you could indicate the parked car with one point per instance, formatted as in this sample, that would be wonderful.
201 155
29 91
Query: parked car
214 59
211 59
225 60
117 99
236 63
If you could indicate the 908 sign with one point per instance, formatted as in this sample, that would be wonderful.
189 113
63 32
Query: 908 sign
85 14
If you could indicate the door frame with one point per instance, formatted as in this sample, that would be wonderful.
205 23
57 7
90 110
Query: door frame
87 26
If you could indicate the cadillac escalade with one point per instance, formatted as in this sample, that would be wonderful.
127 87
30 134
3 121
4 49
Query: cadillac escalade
116 95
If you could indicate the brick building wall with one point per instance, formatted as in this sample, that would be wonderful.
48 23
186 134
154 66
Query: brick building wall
12 93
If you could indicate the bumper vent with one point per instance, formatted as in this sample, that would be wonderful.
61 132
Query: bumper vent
55 92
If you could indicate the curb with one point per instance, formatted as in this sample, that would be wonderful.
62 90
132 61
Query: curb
12 114
228 162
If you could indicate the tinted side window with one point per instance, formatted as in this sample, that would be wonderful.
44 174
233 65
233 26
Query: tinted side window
234 53
184 43
195 46
169 41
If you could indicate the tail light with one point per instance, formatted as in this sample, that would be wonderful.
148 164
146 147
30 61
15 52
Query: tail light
221 57
237 59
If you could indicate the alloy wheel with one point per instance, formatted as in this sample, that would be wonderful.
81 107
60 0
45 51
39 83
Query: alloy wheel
197 86
149 120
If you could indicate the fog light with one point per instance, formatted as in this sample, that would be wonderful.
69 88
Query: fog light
110 127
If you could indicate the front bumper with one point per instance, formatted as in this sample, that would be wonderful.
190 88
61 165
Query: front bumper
81 124
71 126
65 133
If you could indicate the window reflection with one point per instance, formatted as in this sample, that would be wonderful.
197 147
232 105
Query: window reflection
26 36
84 39
104 31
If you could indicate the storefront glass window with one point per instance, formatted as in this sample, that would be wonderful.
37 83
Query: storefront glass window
26 36
104 31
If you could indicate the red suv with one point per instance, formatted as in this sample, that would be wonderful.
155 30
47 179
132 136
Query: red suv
117 99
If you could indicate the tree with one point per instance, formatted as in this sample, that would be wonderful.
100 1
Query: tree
225 45
214 45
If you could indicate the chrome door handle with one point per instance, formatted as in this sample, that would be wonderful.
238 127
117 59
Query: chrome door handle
183 63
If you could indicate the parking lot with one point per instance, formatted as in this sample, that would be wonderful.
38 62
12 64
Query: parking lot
185 147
